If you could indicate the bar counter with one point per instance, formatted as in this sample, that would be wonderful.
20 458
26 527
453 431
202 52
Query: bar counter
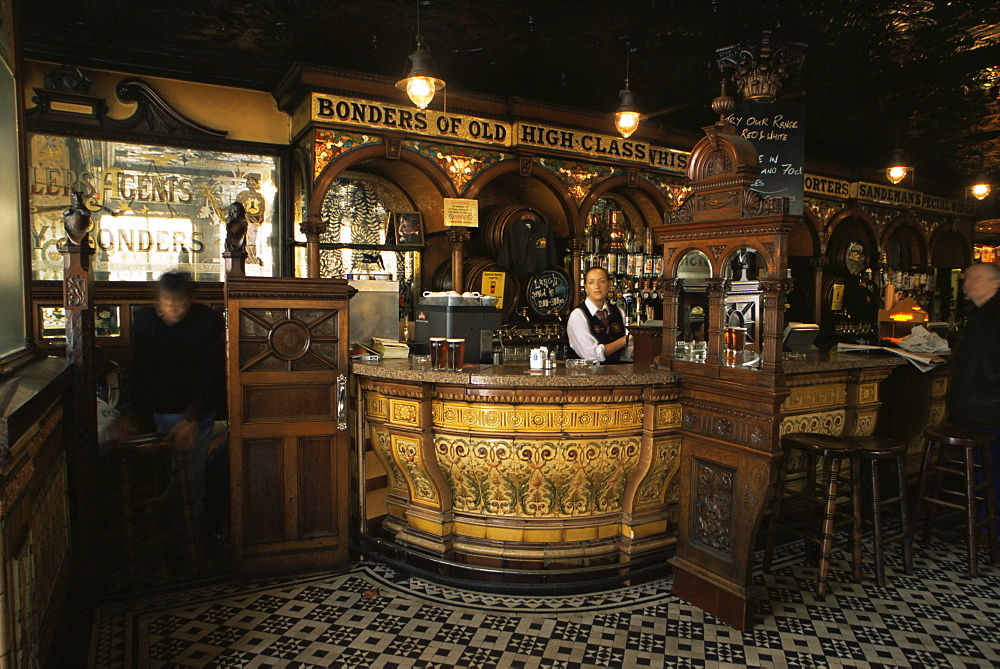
502 466
498 466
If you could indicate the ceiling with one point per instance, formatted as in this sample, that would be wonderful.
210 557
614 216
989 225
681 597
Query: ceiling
922 75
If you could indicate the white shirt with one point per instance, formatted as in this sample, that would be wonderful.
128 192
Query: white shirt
580 337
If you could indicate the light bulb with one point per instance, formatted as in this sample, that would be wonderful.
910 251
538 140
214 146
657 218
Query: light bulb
421 90
627 122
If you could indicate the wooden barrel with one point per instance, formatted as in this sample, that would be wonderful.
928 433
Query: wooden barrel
473 269
493 220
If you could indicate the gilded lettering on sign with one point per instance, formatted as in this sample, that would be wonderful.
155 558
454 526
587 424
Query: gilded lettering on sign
429 123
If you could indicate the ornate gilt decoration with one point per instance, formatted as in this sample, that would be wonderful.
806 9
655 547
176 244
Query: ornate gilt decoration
328 145
824 422
577 177
653 488
404 412
460 164
714 505
406 453
814 397
667 416
382 445
537 478
581 419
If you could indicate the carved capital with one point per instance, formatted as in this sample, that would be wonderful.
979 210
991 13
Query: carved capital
458 236
717 287
313 226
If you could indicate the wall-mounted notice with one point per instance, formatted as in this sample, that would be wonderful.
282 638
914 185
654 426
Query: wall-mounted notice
777 130
461 212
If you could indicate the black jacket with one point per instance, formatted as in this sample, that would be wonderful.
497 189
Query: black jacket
974 396
178 368
527 250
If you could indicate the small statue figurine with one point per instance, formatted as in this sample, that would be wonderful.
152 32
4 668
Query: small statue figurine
77 220
236 228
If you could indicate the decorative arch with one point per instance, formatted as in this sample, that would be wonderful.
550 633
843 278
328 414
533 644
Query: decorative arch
806 238
649 192
910 223
438 179
721 155
950 247
854 211
550 181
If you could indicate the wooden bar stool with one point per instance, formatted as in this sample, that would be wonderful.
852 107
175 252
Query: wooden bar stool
942 442
872 451
827 494
149 501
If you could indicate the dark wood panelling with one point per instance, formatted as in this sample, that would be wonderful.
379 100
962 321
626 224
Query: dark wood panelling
290 484
284 402
317 470
263 473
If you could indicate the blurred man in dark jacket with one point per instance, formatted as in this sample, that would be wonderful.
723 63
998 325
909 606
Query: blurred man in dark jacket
974 398
178 375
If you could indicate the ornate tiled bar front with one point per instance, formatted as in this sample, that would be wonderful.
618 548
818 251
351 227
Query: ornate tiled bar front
502 467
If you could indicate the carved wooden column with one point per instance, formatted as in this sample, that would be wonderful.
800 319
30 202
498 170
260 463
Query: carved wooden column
772 330
819 271
576 252
717 289
81 445
312 227
670 288
458 237
235 254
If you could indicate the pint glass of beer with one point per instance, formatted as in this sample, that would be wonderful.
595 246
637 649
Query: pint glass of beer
438 353
455 353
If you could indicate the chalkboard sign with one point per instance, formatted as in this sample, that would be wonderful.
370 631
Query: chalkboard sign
548 292
777 130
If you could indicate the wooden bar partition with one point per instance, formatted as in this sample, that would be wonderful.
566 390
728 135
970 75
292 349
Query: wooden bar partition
287 367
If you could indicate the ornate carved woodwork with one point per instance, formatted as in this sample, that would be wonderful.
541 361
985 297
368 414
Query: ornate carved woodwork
287 366
78 305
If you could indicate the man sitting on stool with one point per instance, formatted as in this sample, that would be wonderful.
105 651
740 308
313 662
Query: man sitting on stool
178 374
596 329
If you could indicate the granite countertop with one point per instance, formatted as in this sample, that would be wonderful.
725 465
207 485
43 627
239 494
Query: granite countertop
836 360
518 374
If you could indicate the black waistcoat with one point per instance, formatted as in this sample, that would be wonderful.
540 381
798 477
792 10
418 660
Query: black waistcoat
605 334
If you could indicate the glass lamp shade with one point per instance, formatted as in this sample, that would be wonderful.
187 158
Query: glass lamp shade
420 84
981 190
627 116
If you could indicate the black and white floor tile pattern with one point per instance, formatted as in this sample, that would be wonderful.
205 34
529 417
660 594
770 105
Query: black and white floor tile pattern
370 617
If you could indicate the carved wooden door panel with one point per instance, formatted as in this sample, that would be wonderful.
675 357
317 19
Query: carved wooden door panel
287 366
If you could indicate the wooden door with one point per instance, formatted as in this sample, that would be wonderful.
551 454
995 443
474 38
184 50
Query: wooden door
287 366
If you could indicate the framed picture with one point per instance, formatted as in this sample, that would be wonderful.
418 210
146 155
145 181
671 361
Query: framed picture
409 228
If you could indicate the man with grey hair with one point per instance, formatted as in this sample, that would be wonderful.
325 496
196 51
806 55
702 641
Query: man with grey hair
974 397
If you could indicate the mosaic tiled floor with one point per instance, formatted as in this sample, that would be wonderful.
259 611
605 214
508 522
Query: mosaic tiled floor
366 617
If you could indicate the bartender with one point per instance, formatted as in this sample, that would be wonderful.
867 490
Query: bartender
596 329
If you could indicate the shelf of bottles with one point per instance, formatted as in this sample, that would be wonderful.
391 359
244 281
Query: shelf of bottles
634 265
916 285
